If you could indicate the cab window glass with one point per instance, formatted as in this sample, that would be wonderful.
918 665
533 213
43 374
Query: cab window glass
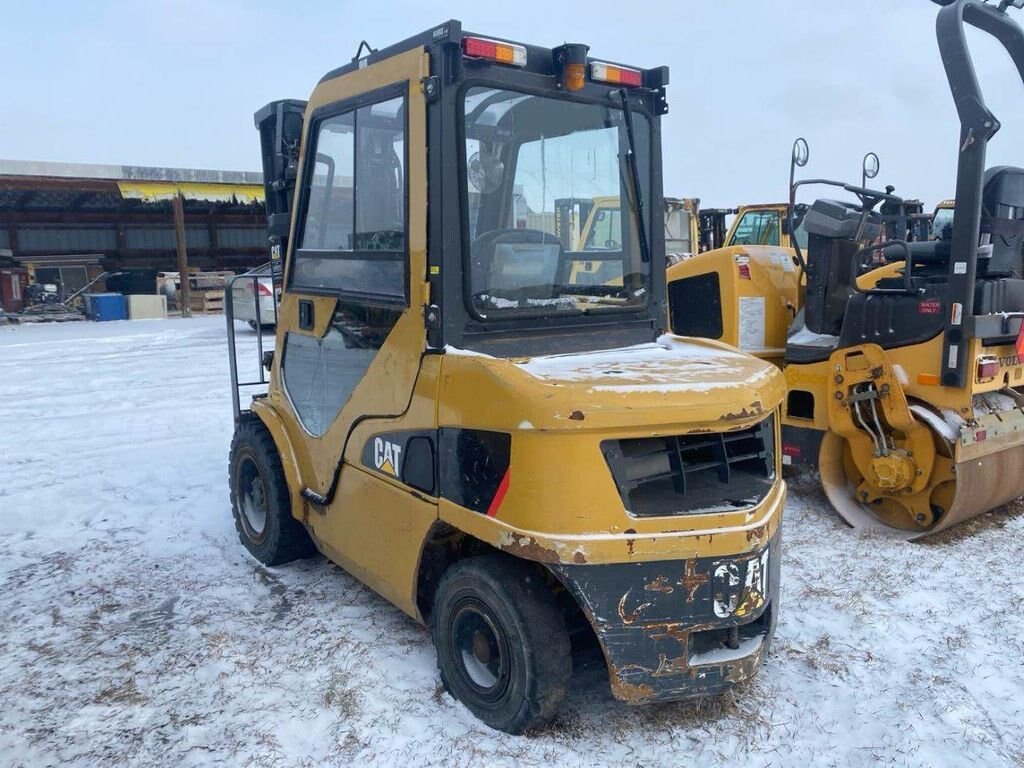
353 231
757 228
534 168
942 224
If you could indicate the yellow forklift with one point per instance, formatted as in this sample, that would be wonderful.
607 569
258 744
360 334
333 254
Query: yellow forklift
760 224
902 358
525 464
600 228
942 220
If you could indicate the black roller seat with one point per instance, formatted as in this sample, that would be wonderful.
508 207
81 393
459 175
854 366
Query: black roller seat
831 228
999 287
804 346
1002 219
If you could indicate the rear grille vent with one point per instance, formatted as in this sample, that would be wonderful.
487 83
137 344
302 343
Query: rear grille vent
694 474
695 306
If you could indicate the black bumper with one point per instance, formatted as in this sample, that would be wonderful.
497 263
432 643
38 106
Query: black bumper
679 629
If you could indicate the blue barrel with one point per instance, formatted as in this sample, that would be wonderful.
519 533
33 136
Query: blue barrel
106 306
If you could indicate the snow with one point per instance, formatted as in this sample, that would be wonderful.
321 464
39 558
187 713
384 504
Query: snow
946 425
655 368
746 647
624 362
450 350
138 631
810 338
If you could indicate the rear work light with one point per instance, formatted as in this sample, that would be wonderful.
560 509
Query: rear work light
988 367
503 53
610 73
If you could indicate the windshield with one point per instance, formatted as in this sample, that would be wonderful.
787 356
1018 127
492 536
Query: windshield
535 168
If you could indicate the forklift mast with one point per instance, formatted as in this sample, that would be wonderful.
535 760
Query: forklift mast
280 127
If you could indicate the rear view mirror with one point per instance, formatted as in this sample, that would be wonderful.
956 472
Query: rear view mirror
872 165
801 152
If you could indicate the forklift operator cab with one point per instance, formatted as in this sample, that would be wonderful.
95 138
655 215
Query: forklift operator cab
520 461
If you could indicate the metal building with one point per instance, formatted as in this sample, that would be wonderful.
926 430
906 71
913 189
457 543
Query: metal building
65 223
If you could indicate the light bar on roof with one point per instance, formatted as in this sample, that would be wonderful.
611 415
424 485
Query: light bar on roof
503 53
611 73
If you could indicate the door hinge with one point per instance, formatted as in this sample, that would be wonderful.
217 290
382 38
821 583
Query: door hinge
432 317
431 88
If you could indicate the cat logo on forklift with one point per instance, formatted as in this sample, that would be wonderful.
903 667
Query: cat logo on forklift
732 600
386 456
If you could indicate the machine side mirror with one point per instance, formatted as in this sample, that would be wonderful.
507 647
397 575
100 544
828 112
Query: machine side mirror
871 166
801 152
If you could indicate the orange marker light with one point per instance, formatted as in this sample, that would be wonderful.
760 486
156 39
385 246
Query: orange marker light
928 379
503 53
610 73
575 76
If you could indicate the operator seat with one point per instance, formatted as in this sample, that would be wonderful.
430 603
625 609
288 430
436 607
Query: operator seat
1002 219
1000 287
833 228
516 264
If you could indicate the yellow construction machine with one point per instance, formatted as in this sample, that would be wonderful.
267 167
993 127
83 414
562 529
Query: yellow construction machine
760 224
525 463
599 228
942 219
902 359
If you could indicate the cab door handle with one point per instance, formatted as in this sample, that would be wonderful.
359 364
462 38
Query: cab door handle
306 315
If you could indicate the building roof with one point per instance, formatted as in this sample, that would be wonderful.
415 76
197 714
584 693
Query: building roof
126 172
38 186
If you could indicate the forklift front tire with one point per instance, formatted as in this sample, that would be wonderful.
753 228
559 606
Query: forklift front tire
501 642
259 498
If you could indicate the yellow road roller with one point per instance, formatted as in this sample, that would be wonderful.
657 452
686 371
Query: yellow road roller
902 359
525 463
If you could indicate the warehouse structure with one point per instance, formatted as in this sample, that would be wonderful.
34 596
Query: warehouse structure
65 223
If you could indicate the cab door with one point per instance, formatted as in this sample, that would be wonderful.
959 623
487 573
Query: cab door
351 333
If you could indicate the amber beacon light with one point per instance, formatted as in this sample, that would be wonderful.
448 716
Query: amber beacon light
571 65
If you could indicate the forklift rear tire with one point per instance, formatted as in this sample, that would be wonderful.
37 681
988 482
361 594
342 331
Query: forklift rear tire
501 641
260 501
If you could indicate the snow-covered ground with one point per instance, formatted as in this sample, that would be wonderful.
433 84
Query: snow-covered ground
136 629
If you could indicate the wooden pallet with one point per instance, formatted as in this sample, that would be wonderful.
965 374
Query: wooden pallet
207 302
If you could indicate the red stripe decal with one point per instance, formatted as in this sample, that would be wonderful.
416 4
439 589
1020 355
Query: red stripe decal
499 496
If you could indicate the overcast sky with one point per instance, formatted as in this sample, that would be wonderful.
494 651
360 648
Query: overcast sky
176 83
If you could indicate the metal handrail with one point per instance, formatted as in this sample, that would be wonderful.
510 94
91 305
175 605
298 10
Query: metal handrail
229 314
908 285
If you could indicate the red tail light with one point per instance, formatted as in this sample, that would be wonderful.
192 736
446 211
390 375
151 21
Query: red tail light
504 53
263 290
610 73
988 367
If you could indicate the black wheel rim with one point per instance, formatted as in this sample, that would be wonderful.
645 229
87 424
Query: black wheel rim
480 650
251 492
